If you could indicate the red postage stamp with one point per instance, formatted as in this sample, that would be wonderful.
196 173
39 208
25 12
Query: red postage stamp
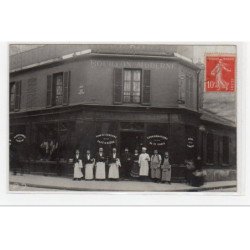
220 73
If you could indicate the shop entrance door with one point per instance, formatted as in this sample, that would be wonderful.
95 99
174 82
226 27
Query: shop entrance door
132 140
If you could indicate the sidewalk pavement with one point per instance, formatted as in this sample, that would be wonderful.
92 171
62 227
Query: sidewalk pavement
67 184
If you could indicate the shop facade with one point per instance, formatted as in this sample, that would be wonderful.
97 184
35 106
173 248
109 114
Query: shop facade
106 100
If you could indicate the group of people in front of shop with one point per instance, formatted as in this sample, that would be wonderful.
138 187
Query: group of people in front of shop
135 165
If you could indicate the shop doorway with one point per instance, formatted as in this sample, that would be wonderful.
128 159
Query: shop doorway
132 140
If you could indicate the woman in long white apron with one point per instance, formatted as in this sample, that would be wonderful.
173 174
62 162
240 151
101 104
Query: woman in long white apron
77 166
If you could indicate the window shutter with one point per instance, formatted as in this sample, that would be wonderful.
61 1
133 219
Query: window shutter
117 86
146 88
191 90
31 93
66 84
17 95
49 90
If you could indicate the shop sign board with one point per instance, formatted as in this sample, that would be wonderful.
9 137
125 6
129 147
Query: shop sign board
157 140
106 139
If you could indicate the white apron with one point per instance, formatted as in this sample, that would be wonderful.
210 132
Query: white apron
89 171
100 170
78 169
114 170
144 164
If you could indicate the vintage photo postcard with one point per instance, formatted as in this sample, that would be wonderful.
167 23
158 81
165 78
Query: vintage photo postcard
122 118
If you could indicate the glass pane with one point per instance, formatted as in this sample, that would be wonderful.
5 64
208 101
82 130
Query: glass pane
59 80
12 96
59 90
127 86
126 98
127 75
136 86
13 88
136 99
137 75
58 100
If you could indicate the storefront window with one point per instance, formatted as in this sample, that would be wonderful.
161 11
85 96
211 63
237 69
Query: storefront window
157 137
225 150
210 148
56 140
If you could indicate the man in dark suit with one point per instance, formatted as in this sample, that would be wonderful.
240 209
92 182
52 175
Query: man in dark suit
126 164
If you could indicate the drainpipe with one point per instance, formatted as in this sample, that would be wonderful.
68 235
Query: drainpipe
198 89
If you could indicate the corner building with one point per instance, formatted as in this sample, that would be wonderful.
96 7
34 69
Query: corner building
92 98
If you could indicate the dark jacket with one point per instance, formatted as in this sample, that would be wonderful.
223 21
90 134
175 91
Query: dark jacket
126 158
86 160
111 159
99 158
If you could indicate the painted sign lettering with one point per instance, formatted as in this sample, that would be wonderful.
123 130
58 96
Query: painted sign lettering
106 139
157 140
19 137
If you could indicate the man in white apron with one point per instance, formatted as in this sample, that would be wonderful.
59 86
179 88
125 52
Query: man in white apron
89 162
114 165
144 160
100 173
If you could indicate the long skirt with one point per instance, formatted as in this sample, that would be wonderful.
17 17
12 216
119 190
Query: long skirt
77 172
156 173
144 168
166 174
113 171
100 171
135 170
89 171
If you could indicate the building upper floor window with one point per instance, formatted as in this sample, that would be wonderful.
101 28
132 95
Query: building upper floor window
131 86
15 95
58 89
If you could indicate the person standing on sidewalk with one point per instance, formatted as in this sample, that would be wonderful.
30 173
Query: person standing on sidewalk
135 165
100 171
166 169
155 166
126 164
114 165
144 160
89 163
198 174
77 166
